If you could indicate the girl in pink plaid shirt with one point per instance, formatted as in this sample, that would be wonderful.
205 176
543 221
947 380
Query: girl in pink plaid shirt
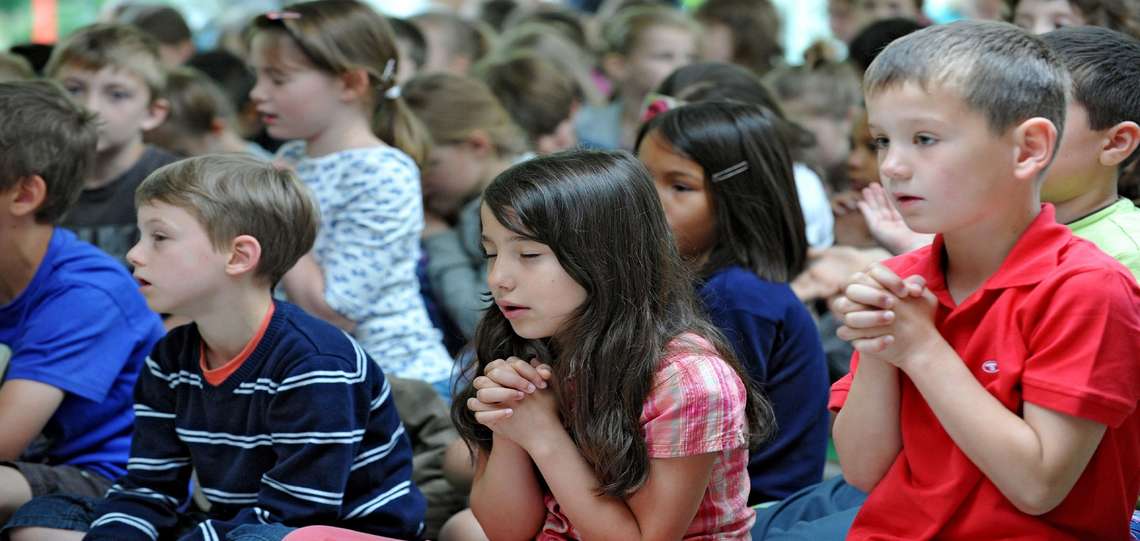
603 405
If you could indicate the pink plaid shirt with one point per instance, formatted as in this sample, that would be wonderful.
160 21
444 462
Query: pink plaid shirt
697 406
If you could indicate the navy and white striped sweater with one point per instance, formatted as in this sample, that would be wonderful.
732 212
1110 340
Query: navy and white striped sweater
304 432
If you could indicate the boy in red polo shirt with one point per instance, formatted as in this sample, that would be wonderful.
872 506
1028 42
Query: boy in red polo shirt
995 387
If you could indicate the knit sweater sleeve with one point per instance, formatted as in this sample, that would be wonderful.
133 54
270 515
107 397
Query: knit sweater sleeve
143 503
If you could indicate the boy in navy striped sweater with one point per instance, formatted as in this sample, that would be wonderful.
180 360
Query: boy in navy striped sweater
285 419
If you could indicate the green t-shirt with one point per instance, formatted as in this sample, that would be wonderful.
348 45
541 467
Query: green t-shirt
1115 229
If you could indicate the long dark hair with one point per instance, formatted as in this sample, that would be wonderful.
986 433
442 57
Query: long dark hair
759 223
599 214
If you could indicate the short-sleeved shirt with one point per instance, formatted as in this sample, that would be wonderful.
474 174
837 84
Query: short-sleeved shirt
1114 229
106 216
81 326
368 246
1058 326
697 405
774 337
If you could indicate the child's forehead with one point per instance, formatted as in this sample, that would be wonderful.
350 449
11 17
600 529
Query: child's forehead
274 48
106 74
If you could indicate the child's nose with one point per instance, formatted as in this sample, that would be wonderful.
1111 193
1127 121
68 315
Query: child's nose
499 279
894 166
133 255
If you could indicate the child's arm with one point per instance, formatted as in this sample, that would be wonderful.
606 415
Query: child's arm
1036 459
25 408
505 495
458 282
143 503
866 430
304 284
662 508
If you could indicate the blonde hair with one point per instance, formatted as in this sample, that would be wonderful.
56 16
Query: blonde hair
452 106
232 195
339 36
624 32
121 46
536 93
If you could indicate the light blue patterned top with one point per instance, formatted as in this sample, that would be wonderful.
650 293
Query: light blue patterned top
368 245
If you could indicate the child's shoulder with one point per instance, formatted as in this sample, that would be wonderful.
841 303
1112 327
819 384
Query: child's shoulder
691 359
76 266
301 342
374 156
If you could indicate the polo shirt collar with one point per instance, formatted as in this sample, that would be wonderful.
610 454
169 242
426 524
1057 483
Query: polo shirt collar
1032 259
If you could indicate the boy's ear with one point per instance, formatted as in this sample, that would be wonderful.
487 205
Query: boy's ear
245 254
1036 141
1119 143
155 114
26 197
355 84
614 66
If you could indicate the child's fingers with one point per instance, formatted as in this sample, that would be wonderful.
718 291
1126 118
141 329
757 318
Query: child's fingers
528 372
887 279
915 285
871 345
503 374
499 395
864 295
868 319
489 418
849 334
543 369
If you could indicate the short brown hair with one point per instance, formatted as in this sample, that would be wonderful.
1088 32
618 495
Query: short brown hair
624 32
755 28
196 103
233 194
43 132
999 71
537 94
122 46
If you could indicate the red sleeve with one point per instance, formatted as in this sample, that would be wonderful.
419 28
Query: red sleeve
1083 347
840 388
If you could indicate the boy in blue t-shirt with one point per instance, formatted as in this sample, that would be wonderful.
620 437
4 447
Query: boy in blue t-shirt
77 329
285 419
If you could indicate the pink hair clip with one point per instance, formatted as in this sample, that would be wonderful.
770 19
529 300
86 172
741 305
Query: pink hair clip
655 104
282 15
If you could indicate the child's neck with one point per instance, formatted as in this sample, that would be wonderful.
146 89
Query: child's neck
24 247
112 163
1103 193
229 141
232 324
975 253
351 130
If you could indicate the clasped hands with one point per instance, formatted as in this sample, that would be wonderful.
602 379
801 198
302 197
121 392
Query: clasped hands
514 400
887 317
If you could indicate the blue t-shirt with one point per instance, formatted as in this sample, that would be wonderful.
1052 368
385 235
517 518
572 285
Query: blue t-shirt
81 326
776 340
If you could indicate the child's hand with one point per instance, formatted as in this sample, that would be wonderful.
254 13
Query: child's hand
521 417
515 373
844 203
886 316
886 224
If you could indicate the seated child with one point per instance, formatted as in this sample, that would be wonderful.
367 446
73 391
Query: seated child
724 177
201 119
541 99
285 419
995 389
1040 16
71 319
632 419
1101 135
113 70
643 45
474 139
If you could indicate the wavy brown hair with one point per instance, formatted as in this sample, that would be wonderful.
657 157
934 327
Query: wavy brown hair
599 214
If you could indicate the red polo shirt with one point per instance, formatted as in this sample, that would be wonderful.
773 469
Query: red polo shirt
1058 325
